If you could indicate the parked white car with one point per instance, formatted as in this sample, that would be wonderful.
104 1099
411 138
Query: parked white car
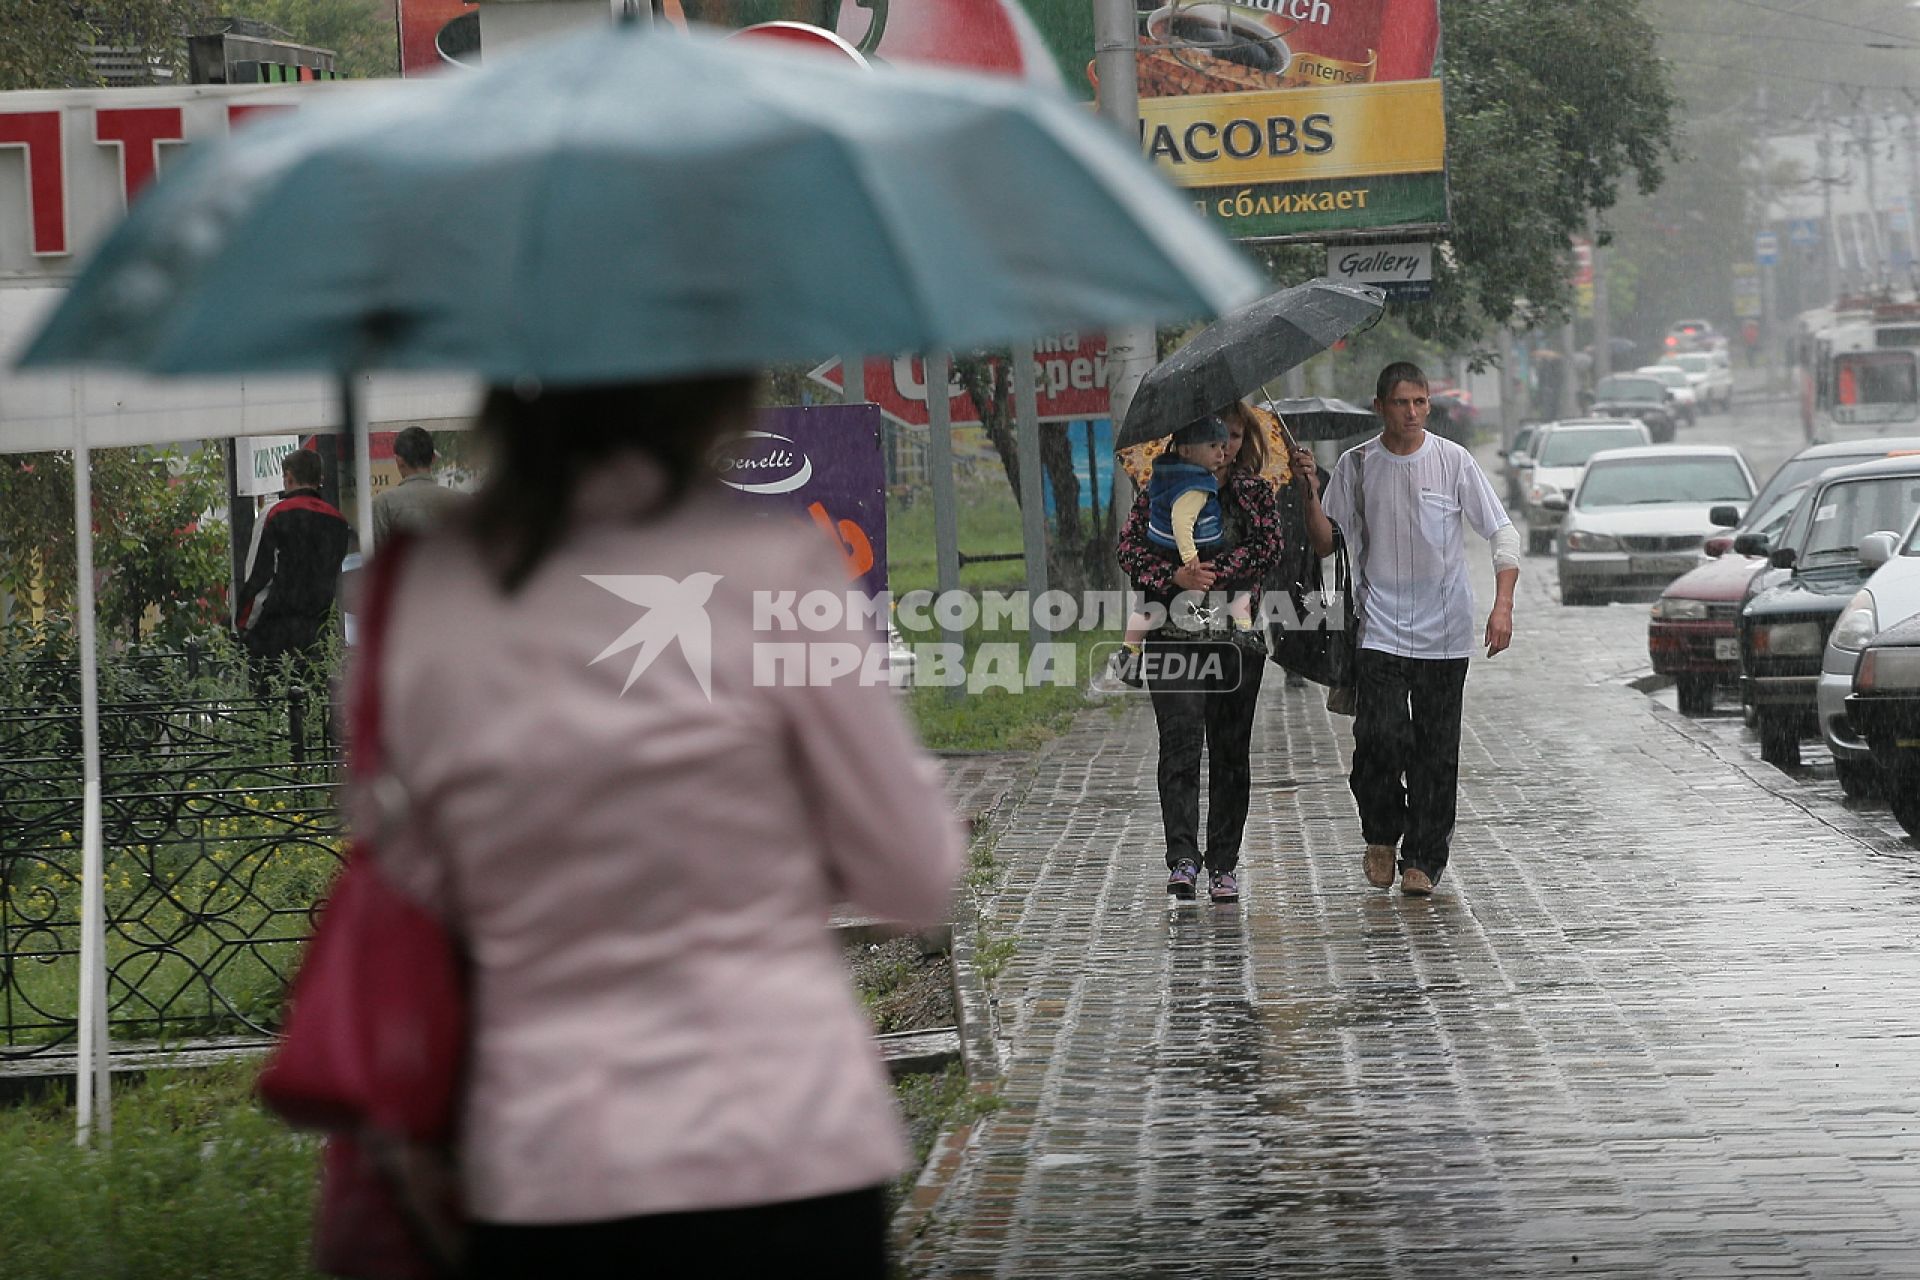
1641 517
1711 376
1559 457
1888 598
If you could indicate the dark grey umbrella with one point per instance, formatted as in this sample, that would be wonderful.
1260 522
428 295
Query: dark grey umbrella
1323 418
1244 349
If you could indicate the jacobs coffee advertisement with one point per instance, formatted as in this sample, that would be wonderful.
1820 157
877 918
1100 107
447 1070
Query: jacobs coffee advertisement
1286 119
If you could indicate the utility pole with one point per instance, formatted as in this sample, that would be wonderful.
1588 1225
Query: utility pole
1131 349
1828 233
1602 321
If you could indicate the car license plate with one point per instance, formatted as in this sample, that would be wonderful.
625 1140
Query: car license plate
1726 649
1674 565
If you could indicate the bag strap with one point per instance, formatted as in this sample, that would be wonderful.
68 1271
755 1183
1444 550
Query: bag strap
1360 514
364 752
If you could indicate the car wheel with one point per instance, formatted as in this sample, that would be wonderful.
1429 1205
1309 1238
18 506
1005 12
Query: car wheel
1538 542
1696 694
1779 739
1903 794
1577 597
1858 778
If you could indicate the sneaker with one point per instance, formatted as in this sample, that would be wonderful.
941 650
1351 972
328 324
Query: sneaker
1416 883
1182 879
1223 886
1378 864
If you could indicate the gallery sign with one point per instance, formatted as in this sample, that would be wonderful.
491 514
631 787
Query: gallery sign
1404 270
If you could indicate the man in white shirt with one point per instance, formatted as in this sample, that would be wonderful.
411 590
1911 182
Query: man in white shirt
1402 501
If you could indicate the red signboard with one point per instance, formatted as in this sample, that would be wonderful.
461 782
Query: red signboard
420 24
1071 374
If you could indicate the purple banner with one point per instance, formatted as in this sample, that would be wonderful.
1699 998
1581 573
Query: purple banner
823 463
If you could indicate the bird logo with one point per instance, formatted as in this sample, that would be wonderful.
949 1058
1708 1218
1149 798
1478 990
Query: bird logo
676 609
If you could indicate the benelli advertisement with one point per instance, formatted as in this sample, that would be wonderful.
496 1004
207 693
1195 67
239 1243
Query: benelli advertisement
1285 119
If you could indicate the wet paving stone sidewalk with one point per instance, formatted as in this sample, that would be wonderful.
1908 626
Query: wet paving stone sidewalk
1657 1022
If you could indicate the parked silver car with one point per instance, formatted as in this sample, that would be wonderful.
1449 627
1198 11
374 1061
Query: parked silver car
1559 456
1887 598
1640 517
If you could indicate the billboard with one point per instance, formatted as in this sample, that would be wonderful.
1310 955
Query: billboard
1070 373
1299 119
822 463
1285 119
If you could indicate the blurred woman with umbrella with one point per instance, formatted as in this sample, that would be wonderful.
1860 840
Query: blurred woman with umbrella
634 827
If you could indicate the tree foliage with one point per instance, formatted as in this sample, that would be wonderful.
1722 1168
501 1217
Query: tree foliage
1551 107
43 43
153 547
366 42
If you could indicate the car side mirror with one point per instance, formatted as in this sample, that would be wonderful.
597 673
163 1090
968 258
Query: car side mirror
1750 544
1554 502
1877 548
1724 516
1716 547
1782 557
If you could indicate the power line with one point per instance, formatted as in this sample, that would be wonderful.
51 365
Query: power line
1825 81
1761 35
1814 17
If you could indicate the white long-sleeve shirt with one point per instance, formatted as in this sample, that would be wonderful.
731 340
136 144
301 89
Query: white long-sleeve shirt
1408 544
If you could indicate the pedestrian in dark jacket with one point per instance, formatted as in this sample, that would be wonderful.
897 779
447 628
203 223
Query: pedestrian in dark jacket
1218 714
293 571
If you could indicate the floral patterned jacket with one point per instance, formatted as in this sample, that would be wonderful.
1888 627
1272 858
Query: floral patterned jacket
1252 516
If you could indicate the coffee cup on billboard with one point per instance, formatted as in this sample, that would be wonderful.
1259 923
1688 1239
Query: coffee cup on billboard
1221 31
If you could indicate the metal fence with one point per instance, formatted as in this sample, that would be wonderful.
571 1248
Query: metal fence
221 834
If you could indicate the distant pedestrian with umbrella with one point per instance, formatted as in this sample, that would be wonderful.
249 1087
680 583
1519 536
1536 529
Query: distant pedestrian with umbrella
1213 712
1402 500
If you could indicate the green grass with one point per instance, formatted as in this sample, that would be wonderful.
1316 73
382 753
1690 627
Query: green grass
197 1182
990 718
988 523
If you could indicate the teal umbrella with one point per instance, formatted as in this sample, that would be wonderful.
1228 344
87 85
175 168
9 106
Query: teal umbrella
629 204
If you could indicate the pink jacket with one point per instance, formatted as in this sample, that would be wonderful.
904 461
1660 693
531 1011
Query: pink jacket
643 877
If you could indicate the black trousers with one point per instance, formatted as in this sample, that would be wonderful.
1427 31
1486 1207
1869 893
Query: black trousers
1217 714
837 1235
1406 754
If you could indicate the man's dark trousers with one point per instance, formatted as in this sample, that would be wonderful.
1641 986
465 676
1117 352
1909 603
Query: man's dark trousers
1218 714
1406 754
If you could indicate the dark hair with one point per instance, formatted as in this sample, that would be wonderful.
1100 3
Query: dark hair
414 446
1396 373
303 468
544 443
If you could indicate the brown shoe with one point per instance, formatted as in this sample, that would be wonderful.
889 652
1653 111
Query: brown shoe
1378 862
1416 883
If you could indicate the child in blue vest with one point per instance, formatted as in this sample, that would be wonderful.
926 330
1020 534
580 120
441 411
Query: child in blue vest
1183 519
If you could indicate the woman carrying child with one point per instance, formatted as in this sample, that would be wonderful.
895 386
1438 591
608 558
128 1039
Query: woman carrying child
1214 713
